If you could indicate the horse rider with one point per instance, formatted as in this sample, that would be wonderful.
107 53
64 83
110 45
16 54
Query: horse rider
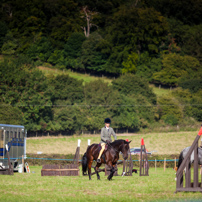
106 133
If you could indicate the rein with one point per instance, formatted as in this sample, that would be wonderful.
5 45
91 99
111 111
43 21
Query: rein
110 146
113 148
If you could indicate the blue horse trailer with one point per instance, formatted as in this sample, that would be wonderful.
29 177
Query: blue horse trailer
15 137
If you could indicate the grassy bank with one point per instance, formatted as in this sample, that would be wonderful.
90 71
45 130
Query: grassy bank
85 77
161 143
158 186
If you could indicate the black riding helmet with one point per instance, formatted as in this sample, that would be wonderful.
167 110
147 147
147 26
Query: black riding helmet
107 120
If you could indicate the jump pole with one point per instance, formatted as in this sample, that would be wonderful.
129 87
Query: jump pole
88 142
175 162
77 154
164 164
144 165
155 165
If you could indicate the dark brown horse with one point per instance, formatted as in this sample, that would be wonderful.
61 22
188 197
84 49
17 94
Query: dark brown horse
111 157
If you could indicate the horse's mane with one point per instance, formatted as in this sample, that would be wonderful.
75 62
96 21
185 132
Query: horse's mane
117 142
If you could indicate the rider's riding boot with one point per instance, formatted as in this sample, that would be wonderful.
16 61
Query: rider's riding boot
98 160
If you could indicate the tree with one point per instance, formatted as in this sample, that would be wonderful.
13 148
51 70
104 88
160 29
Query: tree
35 103
63 87
67 117
140 29
3 32
170 110
100 101
147 66
131 85
72 48
10 115
88 15
187 11
130 65
57 58
40 50
194 85
191 42
10 44
92 56
174 67
191 102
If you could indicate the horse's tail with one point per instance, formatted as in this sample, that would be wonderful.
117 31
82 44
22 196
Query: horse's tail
180 159
84 164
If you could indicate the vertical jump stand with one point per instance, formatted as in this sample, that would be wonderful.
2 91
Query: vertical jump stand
144 165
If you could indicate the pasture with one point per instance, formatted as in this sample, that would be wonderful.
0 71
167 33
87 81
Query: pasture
161 143
158 186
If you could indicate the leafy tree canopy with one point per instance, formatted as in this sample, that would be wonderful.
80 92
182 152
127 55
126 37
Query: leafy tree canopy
131 85
174 67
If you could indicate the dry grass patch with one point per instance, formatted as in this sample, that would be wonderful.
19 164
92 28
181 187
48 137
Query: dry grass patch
163 143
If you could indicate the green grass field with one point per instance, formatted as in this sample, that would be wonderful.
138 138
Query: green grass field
160 91
158 186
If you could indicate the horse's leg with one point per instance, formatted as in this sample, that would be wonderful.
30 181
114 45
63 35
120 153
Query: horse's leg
112 171
89 168
96 170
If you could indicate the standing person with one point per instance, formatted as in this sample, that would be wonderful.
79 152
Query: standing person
106 133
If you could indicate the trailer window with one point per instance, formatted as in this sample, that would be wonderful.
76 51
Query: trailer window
7 136
11 134
15 136
22 134
1 138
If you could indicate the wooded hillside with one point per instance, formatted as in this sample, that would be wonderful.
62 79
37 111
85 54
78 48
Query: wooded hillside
137 42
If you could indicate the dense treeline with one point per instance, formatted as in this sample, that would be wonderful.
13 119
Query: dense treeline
156 41
62 103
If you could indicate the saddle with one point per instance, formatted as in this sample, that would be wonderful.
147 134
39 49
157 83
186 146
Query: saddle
99 148
103 154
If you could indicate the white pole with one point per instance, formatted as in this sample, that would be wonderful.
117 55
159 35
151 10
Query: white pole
88 142
79 142
25 144
6 147
3 133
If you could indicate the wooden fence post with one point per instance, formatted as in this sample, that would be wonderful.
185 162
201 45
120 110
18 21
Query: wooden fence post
175 162
155 165
23 164
186 165
144 165
164 164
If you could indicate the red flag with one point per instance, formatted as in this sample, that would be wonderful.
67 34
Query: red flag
142 141
200 132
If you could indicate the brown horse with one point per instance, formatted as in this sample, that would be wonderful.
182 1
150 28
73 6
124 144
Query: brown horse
111 156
